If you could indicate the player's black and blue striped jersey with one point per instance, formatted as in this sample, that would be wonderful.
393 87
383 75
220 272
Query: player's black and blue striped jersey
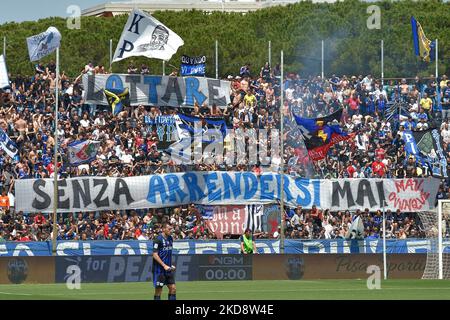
163 247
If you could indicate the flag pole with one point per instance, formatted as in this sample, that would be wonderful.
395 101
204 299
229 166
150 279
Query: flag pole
438 88
282 157
110 55
55 187
217 59
270 54
382 63
322 62
436 58
384 245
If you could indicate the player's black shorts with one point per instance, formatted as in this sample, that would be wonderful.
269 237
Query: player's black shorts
162 279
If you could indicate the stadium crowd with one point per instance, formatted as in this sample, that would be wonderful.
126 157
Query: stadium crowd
129 148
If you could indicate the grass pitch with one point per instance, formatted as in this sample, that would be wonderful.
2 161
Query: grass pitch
237 290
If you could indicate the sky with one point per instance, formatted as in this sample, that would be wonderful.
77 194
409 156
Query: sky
31 10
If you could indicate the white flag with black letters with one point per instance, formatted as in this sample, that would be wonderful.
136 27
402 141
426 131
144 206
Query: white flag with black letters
143 35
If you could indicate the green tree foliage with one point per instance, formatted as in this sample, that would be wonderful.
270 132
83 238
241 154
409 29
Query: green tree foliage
350 47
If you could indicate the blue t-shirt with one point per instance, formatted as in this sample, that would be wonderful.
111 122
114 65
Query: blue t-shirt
423 116
46 159
163 247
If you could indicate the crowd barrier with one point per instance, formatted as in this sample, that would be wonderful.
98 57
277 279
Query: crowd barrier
99 247
206 267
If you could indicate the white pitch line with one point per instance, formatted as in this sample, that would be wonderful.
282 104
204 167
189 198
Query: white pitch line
17 294
81 292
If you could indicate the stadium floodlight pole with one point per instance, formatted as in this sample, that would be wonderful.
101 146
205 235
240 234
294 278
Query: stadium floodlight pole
282 155
270 54
322 62
382 63
55 172
217 59
384 245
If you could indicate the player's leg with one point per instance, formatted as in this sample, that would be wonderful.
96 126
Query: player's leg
158 291
170 281
172 291
158 283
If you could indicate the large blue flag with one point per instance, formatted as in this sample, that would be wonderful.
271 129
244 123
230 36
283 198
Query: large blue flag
7 145
208 125
189 128
422 46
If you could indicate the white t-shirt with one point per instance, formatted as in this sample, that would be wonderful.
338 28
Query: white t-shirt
119 151
84 123
362 141
289 93
126 158
357 119
445 135
379 92
328 231
295 220
100 121
368 83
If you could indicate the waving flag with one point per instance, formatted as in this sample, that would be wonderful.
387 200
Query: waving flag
208 125
143 35
83 151
43 44
254 214
189 128
117 99
422 46
4 79
7 145
206 211
319 134
356 230
426 147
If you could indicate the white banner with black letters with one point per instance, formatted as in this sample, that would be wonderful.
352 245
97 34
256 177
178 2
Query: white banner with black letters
224 188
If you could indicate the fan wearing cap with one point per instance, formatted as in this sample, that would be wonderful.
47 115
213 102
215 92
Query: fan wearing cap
248 246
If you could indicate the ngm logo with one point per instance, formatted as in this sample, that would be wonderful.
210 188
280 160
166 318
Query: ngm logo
218 260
